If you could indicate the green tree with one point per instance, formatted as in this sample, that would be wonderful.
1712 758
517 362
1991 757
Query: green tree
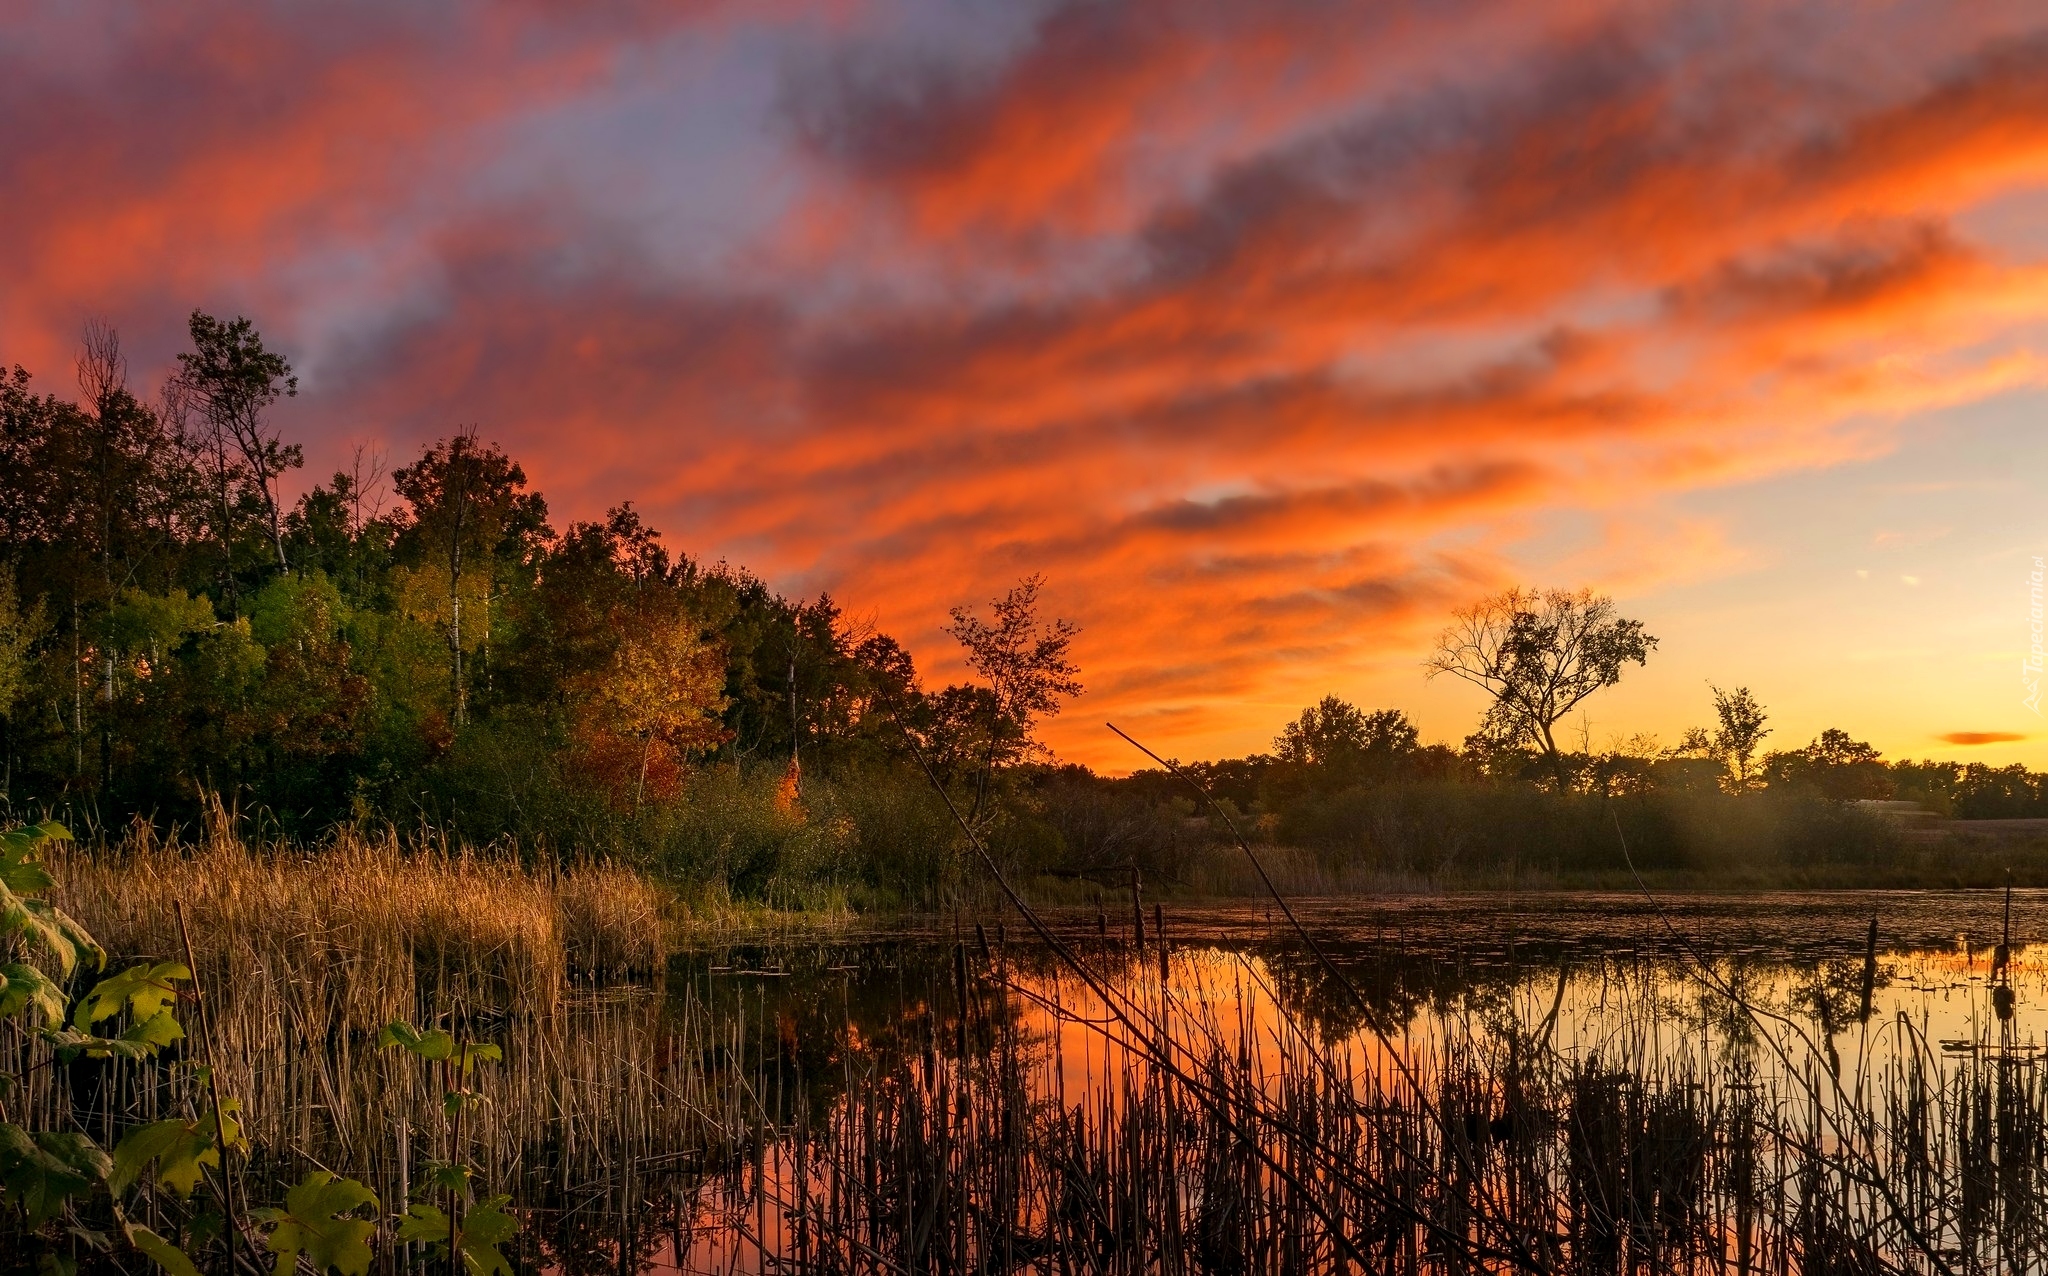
20 627
469 517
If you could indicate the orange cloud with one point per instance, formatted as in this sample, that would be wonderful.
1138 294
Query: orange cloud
1268 335
1980 737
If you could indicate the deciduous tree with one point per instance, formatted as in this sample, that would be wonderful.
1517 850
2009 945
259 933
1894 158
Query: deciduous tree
233 381
1740 732
1538 654
1025 662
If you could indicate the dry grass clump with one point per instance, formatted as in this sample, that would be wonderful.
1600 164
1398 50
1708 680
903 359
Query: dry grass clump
305 955
373 929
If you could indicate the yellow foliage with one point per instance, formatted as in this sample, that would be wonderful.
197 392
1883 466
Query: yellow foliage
423 595
667 683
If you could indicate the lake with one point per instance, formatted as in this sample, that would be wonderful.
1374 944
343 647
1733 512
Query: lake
1542 1082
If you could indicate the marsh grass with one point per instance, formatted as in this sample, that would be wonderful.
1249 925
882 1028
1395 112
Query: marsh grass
651 1115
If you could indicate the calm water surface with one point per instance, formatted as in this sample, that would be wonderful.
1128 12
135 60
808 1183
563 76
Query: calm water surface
1774 998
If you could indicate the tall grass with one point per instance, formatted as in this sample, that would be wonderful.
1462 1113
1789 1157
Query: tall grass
1124 1109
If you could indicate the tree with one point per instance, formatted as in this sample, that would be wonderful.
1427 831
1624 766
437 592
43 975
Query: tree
1840 767
1026 665
1539 655
1345 743
234 381
665 689
19 629
1742 729
469 512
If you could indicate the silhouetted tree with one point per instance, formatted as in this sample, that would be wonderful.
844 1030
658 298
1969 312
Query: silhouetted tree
1344 744
233 381
1843 768
1740 732
1539 655
1026 665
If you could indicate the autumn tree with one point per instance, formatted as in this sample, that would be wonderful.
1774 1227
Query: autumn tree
1026 665
663 689
1539 655
468 514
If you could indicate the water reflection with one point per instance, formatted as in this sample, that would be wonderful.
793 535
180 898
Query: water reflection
1577 1084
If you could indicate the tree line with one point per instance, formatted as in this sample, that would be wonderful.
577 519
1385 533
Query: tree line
422 645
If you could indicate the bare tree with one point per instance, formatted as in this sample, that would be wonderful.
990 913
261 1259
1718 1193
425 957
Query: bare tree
1538 654
1026 665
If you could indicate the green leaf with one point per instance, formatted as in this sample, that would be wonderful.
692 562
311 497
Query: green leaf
318 1221
142 988
202 1228
39 1173
138 1041
48 925
442 1177
485 1227
424 1223
18 871
23 986
178 1149
160 1251
434 1044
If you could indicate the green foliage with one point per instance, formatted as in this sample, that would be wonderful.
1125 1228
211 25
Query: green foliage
174 1261
22 878
180 1151
325 1222
19 629
143 989
476 1232
485 1226
139 1040
40 1173
320 1221
436 1045
23 987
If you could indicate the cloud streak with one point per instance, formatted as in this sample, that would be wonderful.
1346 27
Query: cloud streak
1267 332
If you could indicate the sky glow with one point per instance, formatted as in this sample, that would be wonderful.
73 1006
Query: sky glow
1268 332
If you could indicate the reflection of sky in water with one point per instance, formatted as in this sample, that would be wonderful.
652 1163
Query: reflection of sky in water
1456 987
1659 1015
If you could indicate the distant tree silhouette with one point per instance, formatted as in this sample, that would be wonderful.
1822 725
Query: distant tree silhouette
233 380
1345 743
1740 732
1539 654
1025 663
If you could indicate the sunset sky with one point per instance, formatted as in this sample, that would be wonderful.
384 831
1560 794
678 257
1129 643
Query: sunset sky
1269 332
